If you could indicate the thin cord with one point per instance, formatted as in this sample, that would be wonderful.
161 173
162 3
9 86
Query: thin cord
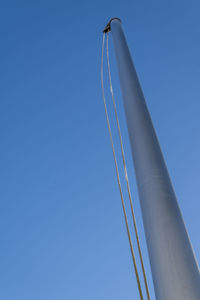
126 175
118 178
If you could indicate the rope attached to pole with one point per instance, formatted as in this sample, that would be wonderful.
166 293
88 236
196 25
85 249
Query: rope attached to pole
126 175
118 178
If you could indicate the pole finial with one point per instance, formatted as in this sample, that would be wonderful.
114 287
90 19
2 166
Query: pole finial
108 28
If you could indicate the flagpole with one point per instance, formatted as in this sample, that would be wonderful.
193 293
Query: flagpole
174 268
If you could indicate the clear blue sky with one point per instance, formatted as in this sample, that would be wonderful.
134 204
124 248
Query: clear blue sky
62 233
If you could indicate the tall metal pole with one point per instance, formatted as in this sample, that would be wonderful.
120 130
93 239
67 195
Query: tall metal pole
174 268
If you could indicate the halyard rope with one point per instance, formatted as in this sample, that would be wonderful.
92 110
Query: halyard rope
126 175
118 177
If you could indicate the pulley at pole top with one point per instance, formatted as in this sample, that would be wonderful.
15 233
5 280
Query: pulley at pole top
108 28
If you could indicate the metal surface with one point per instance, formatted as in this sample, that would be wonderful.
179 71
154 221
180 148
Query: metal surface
174 268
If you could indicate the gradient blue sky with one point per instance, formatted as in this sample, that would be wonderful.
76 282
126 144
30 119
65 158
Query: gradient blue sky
62 234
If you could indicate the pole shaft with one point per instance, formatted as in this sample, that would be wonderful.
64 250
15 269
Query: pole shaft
174 268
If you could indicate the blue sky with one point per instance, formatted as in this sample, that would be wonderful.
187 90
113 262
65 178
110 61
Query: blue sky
62 233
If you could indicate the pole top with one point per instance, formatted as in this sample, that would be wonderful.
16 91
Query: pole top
108 28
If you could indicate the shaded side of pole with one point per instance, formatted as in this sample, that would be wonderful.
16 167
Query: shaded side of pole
174 268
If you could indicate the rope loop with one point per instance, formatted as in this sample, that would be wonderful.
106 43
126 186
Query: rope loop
125 174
